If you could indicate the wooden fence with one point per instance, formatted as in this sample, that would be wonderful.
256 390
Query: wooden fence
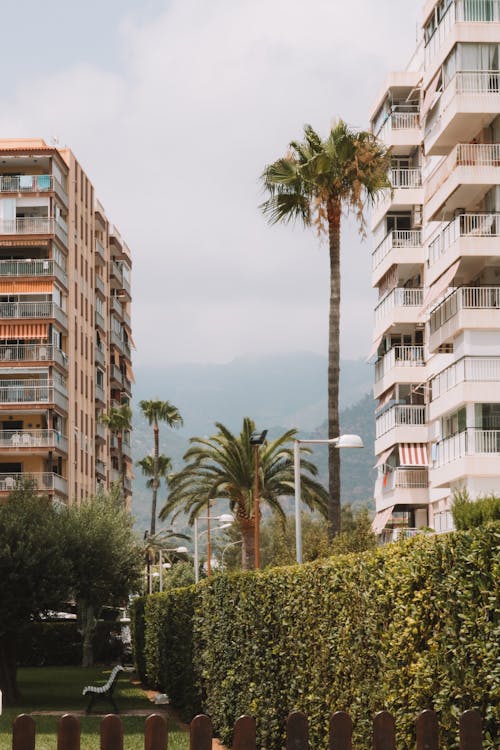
297 735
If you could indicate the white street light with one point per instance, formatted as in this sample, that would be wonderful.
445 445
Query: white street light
225 520
343 441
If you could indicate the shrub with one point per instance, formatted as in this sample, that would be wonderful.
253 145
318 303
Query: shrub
468 514
406 627
57 644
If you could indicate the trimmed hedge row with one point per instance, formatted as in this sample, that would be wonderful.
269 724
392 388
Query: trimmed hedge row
59 644
410 626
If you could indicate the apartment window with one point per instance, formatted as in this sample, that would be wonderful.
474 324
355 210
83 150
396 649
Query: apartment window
454 423
81 382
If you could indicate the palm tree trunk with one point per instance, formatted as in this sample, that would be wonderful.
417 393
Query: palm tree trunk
155 477
334 212
248 547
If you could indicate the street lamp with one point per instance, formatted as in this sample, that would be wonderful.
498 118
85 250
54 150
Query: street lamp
231 544
256 439
179 550
343 441
225 521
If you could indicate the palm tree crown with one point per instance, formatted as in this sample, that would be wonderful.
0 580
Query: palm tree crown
222 466
157 411
313 184
119 420
147 467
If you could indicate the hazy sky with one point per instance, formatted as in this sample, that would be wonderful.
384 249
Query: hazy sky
173 107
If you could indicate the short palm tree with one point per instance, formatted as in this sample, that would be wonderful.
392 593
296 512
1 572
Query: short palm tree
119 420
147 467
157 411
222 466
314 183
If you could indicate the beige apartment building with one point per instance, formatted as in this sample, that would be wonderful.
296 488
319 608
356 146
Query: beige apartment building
65 329
436 268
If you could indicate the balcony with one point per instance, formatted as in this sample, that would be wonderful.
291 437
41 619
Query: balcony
398 247
458 12
41 309
403 486
116 306
100 253
461 179
43 481
470 235
32 440
100 431
32 393
401 364
100 394
465 308
26 183
400 423
99 356
473 452
99 285
466 105
399 306
100 468
407 192
99 320
33 268
470 379
401 130
33 353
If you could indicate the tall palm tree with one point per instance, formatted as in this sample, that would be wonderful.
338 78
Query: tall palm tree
222 466
157 411
147 468
314 183
118 421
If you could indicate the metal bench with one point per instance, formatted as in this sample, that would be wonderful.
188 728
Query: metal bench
104 691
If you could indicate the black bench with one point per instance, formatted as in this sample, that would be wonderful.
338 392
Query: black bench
104 691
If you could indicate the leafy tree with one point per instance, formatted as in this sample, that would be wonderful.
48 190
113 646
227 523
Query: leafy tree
105 559
222 466
34 573
314 183
157 411
118 421
469 514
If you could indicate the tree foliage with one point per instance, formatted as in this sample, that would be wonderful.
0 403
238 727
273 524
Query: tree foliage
469 514
223 466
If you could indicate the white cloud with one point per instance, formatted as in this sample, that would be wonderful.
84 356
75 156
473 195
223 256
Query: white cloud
175 140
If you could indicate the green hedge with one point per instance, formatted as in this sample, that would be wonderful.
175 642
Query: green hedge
58 644
410 626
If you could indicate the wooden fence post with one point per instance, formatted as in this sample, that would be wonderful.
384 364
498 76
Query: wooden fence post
200 735
471 731
111 733
68 733
384 731
155 733
340 731
244 733
297 731
427 731
23 733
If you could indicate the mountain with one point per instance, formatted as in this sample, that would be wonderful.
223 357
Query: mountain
278 392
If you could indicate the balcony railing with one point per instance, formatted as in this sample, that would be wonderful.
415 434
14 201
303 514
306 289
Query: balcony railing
400 415
99 356
399 297
100 467
467 369
32 353
465 298
99 393
406 178
399 356
99 284
33 268
465 225
43 481
398 238
99 320
399 120
406 479
471 441
26 183
33 439
32 392
43 309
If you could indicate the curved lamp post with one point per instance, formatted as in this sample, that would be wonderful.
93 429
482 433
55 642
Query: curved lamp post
257 439
343 441
180 550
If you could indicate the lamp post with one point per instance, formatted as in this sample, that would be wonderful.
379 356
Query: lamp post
343 441
180 550
256 439
231 544
225 521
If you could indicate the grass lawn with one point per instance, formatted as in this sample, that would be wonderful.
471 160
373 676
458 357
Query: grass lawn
59 689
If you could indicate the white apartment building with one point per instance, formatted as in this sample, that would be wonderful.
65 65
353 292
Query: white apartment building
436 266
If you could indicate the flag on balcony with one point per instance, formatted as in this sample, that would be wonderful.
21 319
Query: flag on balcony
413 454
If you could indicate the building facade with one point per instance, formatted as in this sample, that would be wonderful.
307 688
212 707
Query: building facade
436 267
65 329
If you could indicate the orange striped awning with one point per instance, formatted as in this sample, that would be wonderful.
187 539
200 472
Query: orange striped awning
39 286
26 331
129 371
413 454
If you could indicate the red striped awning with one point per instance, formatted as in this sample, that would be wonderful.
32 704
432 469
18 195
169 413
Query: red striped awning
413 454
27 331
